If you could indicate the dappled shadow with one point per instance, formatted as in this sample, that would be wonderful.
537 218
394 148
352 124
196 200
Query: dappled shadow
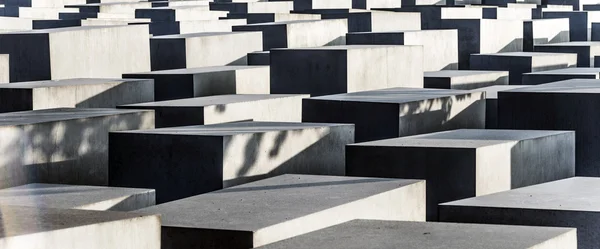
302 185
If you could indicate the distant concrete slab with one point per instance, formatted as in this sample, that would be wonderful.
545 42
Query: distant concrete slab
282 207
542 77
464 79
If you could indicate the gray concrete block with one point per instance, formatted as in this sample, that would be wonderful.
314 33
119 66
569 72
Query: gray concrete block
202 49
62 196
260 58
544 31
378 21
207 81
485 36
194 26
433 17
340 69
549 76
282 207
42 3
491 103
77 52
398 112
184 161
225 108
570 202
563 105
580 22
500 13
585 51
29 228
575 4
274 17
180 13
464 79
65 145
254 7
38 13
361 234
4 68
108 22
322 4
80 93
485 161
440 47
302 33
518 63
122 7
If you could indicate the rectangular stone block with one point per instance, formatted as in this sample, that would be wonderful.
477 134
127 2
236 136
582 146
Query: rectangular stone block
544 31
570 202
202 49
62 196
65 145
254 7
433 17
77 52
38 12
580 22
485 36
440 47
485 161
518 63
282 207
206 81
398 112
378 21
167 3
563 105
501 13
491 103
123 7
464 79
29 228
80 93
322 4
180 13
417 235
187 27
274 17
109 22
585 51
260 58
225 108
298 34
4 68
184 161
549 76
342 69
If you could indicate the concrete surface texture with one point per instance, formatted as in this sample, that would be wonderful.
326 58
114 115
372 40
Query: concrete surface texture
416 235
542 77
565 203
224 155
31 227
585 50
62 145
487 161
491 103
80 93
464 79
63 196
225 108
397 112
278 208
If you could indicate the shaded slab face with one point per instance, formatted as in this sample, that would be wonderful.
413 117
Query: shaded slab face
570 202
416 235
29 227
77 197
464 79
542 77
281 207
486 161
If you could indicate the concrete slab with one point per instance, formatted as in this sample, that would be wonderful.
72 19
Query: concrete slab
491 103
570 202
563 105
207 81
549 76
544 31
322 4
274 17
340 69
202 49
63 145
62 196
253 7
585 51
80 93
28 228
76 52
225 108
415 235
260 58
433 17
301 33
4 68
580 22
397 112
190 160
464 79
518 63
180 13
486 161
440 47
282 207
187 27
